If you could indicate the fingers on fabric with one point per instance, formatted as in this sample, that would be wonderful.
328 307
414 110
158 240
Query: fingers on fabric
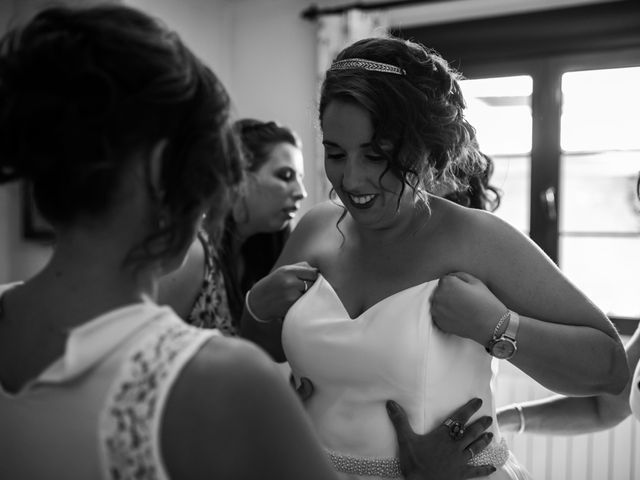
476 429
400 422
306 265
474 448
305 274
464 413
303 269
464 276
482 471
310 275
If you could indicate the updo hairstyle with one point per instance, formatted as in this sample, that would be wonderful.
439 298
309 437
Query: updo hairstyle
258 139
418 120
81 89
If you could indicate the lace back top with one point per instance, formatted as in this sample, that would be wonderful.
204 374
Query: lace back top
131 417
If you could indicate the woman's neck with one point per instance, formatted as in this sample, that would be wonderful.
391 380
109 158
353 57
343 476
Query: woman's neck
409 221
95 276
243 231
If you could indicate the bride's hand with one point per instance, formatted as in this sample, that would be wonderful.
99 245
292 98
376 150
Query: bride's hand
272 296
462 305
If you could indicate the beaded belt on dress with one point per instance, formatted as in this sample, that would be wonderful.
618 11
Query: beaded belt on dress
495 454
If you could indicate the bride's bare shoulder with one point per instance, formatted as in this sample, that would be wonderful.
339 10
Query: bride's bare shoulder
321 214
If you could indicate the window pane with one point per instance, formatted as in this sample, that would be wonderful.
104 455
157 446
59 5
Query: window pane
512 176
500 110
599 193
599 210
606 270
600 110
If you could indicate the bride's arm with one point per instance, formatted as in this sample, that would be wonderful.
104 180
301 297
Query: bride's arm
564 341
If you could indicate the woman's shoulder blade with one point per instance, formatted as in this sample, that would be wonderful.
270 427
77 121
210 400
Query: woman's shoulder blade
225 357
214 394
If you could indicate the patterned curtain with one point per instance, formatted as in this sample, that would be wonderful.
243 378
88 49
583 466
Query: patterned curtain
334 33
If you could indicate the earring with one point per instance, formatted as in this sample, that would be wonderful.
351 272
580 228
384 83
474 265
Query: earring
240 211
162 222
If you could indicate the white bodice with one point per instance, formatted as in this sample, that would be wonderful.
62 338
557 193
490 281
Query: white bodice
392 350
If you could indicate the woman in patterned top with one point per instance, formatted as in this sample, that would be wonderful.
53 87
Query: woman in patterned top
254 233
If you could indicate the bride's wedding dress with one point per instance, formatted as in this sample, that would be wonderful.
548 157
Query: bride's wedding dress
391 351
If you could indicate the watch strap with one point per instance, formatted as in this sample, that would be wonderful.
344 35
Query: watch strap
512 326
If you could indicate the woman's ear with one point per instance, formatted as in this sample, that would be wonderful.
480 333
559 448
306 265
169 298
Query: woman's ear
156 156
240 210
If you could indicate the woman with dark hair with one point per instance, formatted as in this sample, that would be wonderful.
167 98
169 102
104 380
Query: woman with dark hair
399 308
253 236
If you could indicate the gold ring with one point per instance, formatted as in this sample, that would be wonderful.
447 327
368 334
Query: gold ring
306 286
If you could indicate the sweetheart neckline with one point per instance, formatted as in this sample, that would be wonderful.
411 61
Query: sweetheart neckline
382 300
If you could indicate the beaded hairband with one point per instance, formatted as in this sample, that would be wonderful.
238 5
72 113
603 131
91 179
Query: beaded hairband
355 63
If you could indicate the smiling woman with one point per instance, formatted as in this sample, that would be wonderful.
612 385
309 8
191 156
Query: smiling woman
355 167
253 235
415 297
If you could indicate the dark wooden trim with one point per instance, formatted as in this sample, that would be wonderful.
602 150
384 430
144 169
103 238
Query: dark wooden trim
313 11
542 34
546 106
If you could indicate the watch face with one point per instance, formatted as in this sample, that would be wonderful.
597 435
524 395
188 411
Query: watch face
503 348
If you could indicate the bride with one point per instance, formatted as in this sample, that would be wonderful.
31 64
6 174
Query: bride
390 292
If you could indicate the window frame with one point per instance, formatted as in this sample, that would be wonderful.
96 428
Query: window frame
544 46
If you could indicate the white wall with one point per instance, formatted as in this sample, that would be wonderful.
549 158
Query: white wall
204 25
264 53
274 72
18 259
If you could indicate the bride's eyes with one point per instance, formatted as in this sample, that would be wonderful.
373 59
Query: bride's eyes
333 155
374 157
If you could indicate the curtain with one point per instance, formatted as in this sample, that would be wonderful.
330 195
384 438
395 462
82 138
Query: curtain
334 32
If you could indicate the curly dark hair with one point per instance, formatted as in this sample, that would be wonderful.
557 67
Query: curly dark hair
478 192
419 114
83 88
258 138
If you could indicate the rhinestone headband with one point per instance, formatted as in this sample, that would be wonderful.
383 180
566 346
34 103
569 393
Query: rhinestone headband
355 63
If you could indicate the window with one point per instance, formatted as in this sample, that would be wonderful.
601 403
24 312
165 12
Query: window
599 213
555 98
500 111
599 231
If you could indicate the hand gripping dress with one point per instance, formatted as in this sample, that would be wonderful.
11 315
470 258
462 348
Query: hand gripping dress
391 351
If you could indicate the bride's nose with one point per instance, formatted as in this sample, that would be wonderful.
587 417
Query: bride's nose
355 173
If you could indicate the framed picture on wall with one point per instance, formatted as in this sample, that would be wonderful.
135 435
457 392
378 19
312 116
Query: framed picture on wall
34 227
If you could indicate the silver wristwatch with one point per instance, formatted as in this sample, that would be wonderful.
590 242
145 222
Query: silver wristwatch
505 346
